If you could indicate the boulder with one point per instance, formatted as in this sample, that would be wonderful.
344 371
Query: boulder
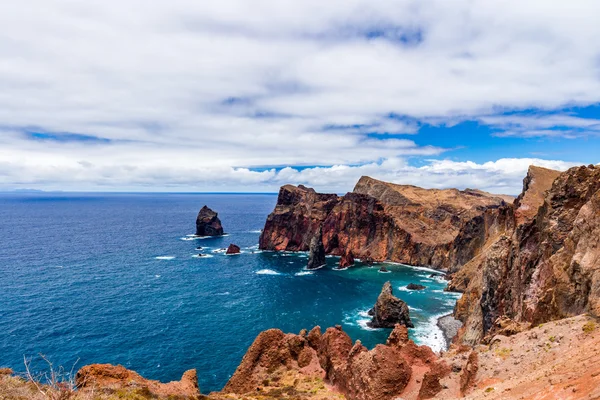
316 257
233 249
389 310
208 223
414 286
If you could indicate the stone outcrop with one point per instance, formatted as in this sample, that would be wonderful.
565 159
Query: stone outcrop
540 265
389 310
208 223
233 249
107 377
347 260
383 373
316 256
415 286
558 360
381 221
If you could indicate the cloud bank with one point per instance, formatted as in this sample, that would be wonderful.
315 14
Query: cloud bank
238 95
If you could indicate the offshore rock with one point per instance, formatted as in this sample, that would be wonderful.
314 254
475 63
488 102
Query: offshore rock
389 310
381 221
316 257
347 260
233 249
107 377
415 286
208 223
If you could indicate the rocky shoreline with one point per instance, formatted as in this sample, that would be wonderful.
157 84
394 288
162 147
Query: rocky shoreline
449 327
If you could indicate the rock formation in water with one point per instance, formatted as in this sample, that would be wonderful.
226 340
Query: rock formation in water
316 256
380 221
415 286
389 310
346 260
208 223
233 249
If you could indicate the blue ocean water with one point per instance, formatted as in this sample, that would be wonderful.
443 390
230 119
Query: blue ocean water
112 278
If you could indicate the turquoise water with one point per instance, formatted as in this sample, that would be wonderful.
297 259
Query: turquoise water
113 279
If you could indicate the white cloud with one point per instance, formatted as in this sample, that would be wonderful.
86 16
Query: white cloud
196 94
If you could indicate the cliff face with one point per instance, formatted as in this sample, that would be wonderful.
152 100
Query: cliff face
380 221
543 263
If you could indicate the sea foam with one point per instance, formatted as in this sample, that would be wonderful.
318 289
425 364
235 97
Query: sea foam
267 272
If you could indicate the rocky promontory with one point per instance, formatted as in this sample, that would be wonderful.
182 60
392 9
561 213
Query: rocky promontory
208 223
381 221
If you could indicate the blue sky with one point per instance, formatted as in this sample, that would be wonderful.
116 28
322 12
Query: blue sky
248 96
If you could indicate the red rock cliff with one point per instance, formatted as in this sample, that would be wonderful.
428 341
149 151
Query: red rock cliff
542 262
381 221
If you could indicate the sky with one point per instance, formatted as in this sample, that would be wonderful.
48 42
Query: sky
246 96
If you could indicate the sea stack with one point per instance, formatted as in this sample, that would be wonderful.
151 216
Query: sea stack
389 310
347 260
316 258
208 223
233 249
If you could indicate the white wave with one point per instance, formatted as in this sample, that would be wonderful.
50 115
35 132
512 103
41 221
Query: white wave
435 271
256 231
360 318
430 334
157 276
203 256
364 324
196 237
414 308
304 273
165 257
267 272
404 289
223 294
425 280
234 254
340 269
385 272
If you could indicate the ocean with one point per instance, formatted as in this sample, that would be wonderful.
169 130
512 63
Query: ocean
114 278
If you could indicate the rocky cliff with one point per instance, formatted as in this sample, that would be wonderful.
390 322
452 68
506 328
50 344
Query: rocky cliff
540 259
381 221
